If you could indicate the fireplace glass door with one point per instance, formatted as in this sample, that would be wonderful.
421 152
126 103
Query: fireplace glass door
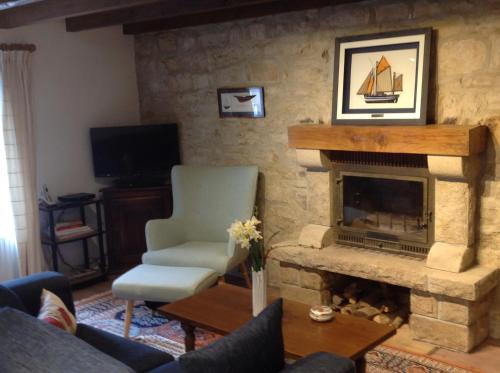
389 207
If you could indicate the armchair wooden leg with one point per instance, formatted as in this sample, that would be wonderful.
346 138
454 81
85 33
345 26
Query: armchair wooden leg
128 317
244 271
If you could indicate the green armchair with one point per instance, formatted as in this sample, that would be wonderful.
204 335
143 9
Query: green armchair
206 201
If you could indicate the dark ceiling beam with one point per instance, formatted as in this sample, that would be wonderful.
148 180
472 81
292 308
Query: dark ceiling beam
30 12
162 9
227 14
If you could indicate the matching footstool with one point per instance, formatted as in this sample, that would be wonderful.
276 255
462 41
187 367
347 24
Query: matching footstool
157 283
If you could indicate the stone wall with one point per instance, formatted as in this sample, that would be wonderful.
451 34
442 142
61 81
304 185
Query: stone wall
291 55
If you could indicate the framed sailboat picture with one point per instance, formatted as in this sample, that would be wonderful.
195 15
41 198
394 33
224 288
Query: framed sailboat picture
382 78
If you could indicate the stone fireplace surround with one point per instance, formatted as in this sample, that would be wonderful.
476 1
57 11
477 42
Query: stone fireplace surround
450 294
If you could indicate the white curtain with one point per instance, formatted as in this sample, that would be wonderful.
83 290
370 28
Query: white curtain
9 260
19 141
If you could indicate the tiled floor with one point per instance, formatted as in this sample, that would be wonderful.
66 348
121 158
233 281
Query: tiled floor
485 358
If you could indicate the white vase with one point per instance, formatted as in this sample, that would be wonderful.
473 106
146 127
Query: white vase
259 291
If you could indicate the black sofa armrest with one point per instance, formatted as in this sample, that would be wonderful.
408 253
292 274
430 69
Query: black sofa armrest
322 362
138 356
29 289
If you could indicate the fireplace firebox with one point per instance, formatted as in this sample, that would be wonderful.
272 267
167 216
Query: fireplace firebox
385 208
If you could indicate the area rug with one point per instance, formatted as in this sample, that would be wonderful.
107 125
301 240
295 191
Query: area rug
105 312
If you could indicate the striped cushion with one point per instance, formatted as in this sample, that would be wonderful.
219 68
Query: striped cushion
54 312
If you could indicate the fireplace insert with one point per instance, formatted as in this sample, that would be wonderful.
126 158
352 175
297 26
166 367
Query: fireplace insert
385 208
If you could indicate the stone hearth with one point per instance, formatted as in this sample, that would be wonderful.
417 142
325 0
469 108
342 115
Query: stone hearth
450 294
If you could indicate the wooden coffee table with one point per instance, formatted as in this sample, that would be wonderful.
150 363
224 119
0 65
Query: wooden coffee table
224 308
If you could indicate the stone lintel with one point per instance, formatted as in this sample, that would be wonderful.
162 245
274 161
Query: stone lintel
368 264
316 236
313 159
449 257
451 167
471 285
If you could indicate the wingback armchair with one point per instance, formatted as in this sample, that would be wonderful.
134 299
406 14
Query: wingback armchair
206 201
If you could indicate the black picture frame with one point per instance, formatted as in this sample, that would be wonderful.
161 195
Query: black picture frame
377 109
234 102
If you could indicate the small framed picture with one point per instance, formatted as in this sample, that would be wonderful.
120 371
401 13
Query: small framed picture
382 78
241 102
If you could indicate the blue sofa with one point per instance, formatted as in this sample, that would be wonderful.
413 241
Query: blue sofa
139 357
256 347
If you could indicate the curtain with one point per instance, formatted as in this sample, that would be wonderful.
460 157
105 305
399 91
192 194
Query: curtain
19 140
9 260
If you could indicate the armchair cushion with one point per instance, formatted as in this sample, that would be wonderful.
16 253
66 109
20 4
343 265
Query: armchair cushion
208 199
255 347
196 254
162 233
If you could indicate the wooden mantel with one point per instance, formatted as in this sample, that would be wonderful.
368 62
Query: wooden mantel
451 140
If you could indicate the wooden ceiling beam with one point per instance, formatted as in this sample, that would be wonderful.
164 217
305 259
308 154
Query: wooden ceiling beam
184 9
169 14
30 12
242 11
165 8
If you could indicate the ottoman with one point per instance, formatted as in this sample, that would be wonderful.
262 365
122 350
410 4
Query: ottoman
157 283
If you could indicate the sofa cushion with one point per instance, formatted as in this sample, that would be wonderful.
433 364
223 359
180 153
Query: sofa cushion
28 345
201 254
255 347
54 312
136 355
9 299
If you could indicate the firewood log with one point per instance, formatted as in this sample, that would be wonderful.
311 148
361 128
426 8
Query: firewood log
397 322
366 312
348 309
338 300
382 319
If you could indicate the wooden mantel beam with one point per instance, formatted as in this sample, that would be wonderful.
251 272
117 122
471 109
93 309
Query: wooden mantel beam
168 14
451 140
34 11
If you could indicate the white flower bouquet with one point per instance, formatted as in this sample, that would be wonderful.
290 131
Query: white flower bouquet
249 237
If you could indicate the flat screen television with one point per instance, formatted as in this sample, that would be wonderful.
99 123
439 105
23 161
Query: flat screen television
135 152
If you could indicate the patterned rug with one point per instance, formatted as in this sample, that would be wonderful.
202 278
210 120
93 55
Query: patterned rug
105 312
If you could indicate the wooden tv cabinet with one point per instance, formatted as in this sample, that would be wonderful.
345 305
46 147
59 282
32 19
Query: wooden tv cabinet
126 212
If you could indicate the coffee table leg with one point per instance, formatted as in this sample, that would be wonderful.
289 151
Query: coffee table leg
361 365
189 339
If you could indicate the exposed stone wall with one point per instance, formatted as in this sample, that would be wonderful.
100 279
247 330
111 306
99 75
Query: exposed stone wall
291 55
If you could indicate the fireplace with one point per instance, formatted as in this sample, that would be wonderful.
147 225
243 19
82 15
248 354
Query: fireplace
374 193
384 208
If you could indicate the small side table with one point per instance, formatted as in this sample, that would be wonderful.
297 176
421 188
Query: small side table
54 242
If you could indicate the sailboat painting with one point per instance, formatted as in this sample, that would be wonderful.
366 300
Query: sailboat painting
381 84
382 78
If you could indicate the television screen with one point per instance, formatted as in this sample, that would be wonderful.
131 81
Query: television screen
131 151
